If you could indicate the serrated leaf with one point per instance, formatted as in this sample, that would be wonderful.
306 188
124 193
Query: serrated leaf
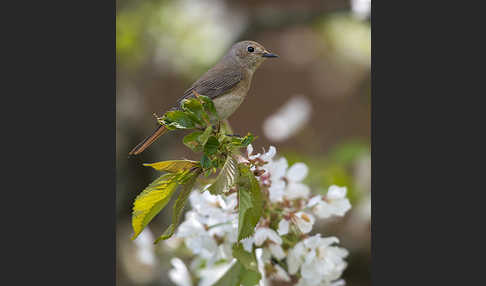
238 275
178 119
173 165
179 205
211 146
226 178
250 200
152 200
247 259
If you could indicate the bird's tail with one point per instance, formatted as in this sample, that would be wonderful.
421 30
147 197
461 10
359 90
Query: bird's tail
148 141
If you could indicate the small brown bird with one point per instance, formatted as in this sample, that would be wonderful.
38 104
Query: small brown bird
227 83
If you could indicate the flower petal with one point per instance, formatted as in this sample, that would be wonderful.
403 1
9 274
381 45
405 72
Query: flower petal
264 233
297 172
294 259
277 251
248 243
249 149
179 274
269 155
280 274
314 201
283 227
296 191
304 221
336 192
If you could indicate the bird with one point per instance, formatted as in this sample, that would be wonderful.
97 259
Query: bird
226 83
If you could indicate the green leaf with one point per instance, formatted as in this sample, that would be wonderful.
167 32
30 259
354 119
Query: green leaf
173 165
190 141
247 139
152 200
207 104
238 275
250 200
205 161
178 119
211 146
231 277
250 278
209 107
242 141
226 178
179 205
247 259
195 108
205 136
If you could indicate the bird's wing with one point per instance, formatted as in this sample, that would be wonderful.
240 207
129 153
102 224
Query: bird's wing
215 83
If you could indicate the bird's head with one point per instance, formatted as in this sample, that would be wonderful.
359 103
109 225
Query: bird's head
250 54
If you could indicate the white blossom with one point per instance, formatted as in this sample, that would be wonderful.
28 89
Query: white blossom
145 247
269 155
249 152
304 221
248 243
210 275
283 227
295 188
277 251
196 238
179 274
286 184
335 203
280 274
261 266
318 261
263 234
210 229
276 170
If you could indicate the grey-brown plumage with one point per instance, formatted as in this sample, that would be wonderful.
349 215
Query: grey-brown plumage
227 83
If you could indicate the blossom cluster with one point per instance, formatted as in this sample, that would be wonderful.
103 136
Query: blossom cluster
283 245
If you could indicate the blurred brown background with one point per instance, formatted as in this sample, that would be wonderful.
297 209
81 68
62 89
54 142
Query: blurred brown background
319 88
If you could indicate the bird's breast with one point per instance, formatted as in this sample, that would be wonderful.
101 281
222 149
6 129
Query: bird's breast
227 104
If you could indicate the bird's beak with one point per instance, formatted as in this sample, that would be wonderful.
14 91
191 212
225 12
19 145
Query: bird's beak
269 55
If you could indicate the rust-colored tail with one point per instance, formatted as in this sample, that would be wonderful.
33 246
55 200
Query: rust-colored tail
148 141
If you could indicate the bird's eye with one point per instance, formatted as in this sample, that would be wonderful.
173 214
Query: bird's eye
251 49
